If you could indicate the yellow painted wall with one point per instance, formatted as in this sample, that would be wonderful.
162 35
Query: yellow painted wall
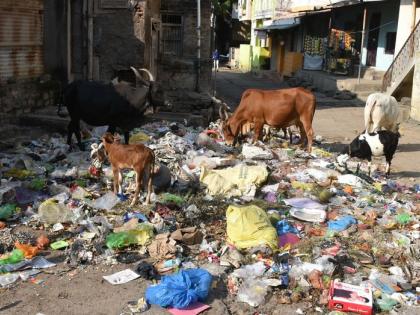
245 57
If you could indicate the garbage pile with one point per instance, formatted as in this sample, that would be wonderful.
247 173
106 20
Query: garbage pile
259 221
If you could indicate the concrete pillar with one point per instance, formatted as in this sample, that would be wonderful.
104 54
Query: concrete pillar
415 96
404 23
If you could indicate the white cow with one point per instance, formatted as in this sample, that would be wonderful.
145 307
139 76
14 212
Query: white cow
381 112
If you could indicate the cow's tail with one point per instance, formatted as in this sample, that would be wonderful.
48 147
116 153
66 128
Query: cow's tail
60 100
151 172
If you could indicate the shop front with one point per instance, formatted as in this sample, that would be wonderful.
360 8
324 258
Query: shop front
333 40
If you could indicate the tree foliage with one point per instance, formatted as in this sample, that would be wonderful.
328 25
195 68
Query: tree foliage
222 7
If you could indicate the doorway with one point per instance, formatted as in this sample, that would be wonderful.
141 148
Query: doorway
373 37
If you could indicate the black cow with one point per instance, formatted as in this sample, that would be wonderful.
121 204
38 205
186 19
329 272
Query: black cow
116 105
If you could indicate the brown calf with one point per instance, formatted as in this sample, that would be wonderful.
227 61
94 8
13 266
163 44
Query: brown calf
134 156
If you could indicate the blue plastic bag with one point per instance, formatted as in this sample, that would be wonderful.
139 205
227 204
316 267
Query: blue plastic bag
284 227
342 223
181 289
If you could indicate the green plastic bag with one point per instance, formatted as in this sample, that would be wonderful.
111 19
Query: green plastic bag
59 245
15 256
403 218
140 236
7 211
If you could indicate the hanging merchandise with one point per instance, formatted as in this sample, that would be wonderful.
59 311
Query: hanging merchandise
314 45
340 52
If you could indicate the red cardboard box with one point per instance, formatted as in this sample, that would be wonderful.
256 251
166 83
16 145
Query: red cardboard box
350 298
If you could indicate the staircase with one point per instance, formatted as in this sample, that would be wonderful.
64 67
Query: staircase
403 63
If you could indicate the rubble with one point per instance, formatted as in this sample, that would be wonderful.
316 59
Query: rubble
265 222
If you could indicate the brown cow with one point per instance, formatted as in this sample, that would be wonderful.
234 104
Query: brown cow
129 156
276 108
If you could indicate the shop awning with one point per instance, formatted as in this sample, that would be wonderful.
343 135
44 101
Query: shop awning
282 24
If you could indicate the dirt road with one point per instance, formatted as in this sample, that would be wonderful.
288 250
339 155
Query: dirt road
338 123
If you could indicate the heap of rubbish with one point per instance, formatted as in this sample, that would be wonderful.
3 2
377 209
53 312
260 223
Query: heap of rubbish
256 220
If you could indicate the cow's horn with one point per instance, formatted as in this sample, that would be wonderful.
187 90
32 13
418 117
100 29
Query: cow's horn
138 76
151 78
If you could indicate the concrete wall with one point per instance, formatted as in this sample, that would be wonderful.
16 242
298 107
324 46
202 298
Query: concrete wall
405 18
415 96
388 23
245 58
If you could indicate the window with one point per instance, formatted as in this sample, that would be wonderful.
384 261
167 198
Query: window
171 42
390 42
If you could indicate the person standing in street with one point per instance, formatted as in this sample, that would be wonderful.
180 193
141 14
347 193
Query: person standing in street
216 57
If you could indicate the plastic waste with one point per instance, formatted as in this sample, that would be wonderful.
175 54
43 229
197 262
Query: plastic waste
304 203
59 245
386 303
8 279
255 153
382 282
121 277
249 226
400 239
181 289
106 202
403 218
139 216
342 224
253 292
28 250
250 271
52 212
284 227
6 211
304 269
239 181
13 258
352 180
203 140
140 236
309 215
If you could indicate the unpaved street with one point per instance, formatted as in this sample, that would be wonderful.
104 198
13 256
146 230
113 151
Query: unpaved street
336 123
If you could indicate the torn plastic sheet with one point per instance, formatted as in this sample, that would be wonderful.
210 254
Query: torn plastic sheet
35 263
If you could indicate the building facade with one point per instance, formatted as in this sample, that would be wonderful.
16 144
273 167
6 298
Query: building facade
100 39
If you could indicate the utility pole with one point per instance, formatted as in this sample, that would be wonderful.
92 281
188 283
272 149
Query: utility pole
198 45
361 45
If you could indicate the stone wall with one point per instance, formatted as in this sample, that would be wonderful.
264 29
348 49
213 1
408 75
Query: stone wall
24 97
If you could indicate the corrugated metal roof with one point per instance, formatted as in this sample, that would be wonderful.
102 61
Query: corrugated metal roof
21 37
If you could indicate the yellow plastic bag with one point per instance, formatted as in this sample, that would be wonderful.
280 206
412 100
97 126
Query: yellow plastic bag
241 180
249 226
